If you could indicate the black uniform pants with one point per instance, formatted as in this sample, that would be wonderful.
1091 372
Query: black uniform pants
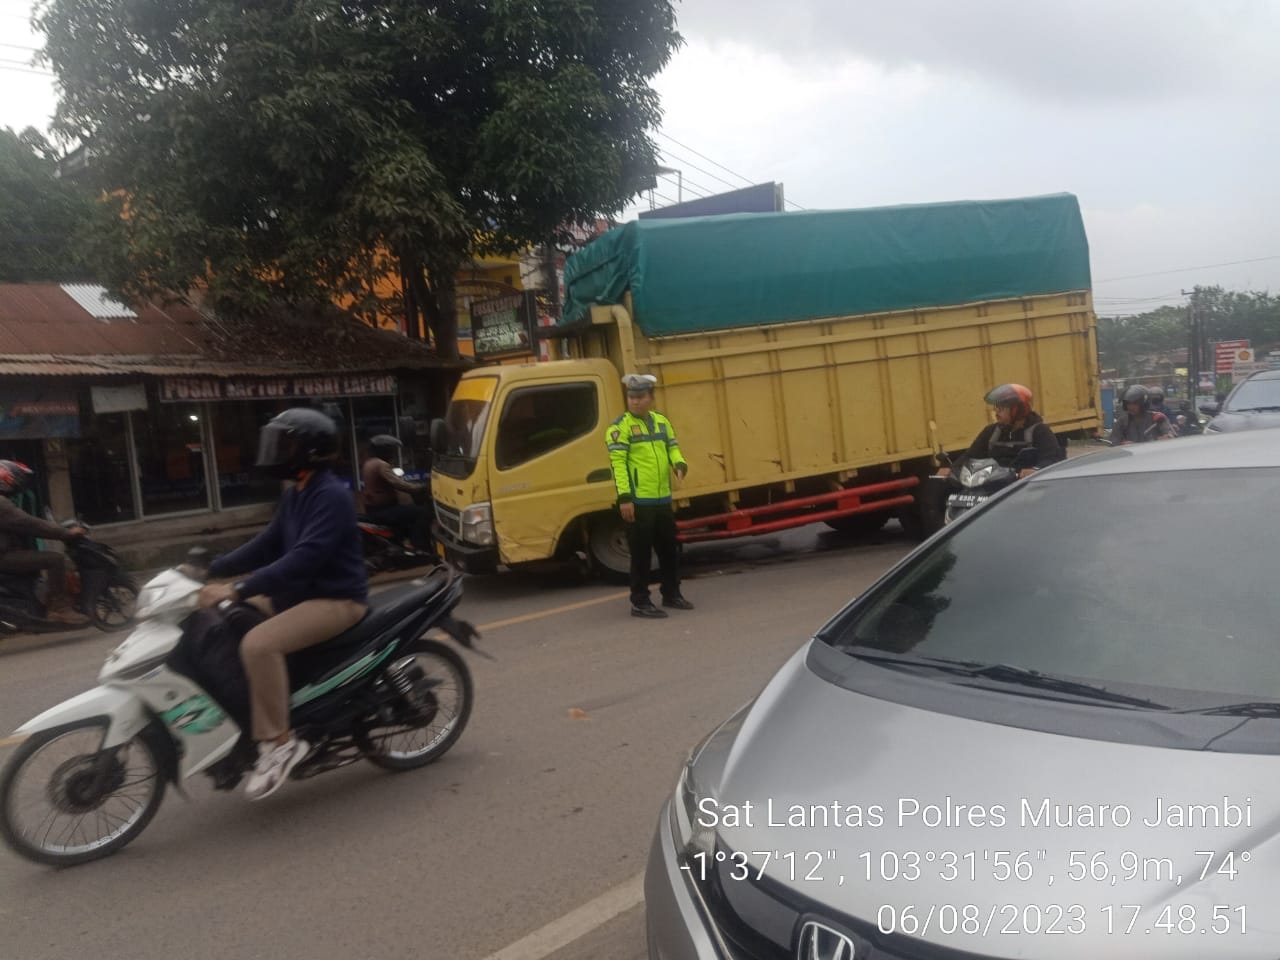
654 530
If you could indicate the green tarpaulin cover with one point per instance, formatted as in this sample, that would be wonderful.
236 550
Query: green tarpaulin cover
713 273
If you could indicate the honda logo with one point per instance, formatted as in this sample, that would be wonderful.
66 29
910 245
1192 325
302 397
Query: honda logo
820 942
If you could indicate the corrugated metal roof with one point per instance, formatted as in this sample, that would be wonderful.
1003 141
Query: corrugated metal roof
93 298
45 332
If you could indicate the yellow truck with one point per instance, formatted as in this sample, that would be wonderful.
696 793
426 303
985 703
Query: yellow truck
813 365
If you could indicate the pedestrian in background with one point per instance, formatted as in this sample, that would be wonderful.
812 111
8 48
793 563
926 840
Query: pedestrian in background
644 452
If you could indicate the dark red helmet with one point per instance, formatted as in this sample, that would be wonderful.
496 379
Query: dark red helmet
14 477
1014 396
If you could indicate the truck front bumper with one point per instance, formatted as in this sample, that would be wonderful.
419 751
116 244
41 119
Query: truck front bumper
467 557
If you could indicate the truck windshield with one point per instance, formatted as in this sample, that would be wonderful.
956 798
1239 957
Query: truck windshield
464 424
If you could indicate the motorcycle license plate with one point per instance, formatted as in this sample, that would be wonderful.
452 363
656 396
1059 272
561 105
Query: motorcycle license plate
965 500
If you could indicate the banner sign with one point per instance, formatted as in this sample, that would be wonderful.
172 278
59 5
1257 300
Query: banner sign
38 411
505 326
189 389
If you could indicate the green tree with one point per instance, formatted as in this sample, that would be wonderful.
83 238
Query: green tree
302 149
41 217
1226 315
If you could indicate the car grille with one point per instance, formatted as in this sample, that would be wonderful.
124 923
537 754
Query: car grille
449 519
758 919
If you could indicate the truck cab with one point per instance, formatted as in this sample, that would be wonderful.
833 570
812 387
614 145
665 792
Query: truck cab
520 459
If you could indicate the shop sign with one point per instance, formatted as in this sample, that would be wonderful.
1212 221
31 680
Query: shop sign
189 389
119 399
38 411
505 326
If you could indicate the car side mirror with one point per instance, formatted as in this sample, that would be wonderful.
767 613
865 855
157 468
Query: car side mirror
1212 409
437 436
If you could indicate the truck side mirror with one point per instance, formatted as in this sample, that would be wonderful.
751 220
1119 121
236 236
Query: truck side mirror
437 435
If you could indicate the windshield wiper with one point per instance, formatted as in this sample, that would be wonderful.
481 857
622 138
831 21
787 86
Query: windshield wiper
1248 708
1254 409
1008 673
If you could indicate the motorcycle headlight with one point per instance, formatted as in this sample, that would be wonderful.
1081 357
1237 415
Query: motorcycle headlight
477 525
976 478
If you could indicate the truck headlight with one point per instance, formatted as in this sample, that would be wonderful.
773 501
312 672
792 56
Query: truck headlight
477 525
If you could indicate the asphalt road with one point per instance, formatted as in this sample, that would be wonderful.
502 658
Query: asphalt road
525 842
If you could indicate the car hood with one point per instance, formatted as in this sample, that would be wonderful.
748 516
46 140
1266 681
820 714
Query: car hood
1230 422
808 742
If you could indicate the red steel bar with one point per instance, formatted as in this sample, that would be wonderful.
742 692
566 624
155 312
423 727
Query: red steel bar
796 521
735 519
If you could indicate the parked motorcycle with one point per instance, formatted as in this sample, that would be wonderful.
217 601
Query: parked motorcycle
92 771
99 589
980 480
384 551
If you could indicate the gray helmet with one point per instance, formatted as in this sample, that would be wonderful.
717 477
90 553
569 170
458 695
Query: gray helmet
1157 396
1138 394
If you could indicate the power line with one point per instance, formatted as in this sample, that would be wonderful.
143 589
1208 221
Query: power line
38 73
685 184
696 153
18 46
668 136
1207 266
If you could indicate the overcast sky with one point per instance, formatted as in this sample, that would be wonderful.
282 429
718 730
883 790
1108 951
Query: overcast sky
1159 116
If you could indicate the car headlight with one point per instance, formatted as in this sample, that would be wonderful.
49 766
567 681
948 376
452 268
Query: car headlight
477 525
692 835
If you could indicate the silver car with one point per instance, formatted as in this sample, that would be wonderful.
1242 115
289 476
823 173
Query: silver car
1031 738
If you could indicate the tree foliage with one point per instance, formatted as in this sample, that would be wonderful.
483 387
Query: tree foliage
300 149
1226 314
42 218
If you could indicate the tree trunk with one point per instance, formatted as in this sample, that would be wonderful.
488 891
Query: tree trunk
441 310
411 294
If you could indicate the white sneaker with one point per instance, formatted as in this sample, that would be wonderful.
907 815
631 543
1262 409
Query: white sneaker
273 766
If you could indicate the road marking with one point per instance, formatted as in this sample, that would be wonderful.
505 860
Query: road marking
509 622
538 615
576 923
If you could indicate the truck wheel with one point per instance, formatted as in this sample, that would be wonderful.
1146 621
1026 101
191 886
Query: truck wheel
860 524
607 544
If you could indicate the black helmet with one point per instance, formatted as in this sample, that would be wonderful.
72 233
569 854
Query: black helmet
385 443
1157 396
14 477
1138 394
297 439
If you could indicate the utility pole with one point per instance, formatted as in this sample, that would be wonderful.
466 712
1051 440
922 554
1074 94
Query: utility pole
1193 351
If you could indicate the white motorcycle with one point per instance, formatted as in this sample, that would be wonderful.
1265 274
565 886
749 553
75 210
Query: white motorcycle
91 772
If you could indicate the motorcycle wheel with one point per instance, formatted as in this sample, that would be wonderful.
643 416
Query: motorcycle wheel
437 706
116 606
90 802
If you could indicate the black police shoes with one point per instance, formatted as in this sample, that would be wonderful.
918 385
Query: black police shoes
678 603
646 609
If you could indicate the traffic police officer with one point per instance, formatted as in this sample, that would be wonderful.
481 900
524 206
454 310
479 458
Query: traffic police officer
644 452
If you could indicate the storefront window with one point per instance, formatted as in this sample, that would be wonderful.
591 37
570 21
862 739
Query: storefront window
235 429
372 416
171 458
99 463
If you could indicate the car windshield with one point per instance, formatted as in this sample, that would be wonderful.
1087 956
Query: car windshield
1256 395
1150 581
